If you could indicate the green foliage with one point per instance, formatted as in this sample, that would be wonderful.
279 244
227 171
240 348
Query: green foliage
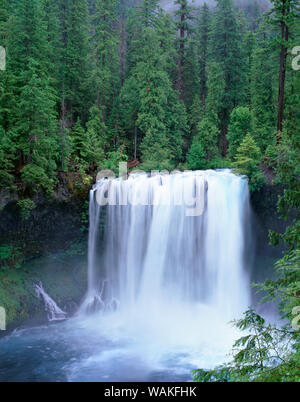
114 159
196 157
11 257
26 206
226 50
287 170
219 163
247 162
204 149
262 88
240 125
35 177
271 155
7 149
266 353
85 79
208 135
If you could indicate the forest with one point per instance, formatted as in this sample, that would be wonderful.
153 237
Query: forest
88 84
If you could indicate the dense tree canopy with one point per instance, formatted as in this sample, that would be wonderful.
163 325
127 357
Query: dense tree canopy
86 78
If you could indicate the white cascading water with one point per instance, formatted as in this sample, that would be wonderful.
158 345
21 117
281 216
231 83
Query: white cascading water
53 311
167 277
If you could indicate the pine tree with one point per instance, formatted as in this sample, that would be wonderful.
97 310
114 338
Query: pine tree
74 60
151 112
6 98
129 109
247 162
225 48
196 157
106 42
241 124
203 34
184 17
145 15
34 123
283 14
154 84
195 115
262 89
4 16
216 86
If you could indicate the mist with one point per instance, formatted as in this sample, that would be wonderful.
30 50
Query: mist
169 6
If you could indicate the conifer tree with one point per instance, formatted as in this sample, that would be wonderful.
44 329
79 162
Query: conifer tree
225 48
184 16
106 41
34 124
241 124
283 15
262 89
5 76
247 162
203 34
74 63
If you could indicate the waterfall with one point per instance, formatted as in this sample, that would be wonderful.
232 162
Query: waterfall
52 309
170 242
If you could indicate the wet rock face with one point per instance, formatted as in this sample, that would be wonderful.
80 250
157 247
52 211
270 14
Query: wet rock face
50 225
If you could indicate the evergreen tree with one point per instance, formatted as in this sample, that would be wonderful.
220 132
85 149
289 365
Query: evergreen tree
154 88
130 106
184 17
74 60
247 162
204 33
196 158
225 48
5 76
4 16
283 14
216 87
144 15
34 123
106 41
241 124
262 89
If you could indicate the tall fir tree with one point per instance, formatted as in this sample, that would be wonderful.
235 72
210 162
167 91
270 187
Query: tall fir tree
203 41
283 15
226 49
262 89
183 15
74 19
34 123
106 68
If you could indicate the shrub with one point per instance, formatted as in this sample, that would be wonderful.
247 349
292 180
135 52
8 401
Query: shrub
240 125
196 157
247 162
